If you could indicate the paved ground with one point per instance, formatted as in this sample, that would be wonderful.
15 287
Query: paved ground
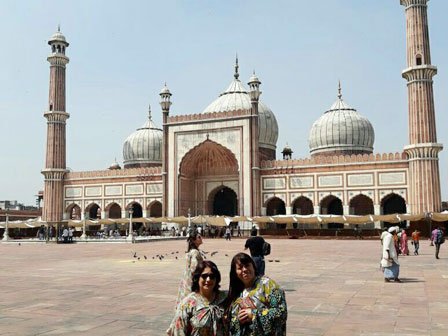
333 287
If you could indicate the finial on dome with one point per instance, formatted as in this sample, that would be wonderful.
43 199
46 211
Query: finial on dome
59 27
339 91
236 67
149 112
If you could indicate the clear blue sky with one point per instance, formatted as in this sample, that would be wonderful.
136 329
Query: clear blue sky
121 53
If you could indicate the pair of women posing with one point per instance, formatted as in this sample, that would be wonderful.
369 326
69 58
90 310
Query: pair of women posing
253 306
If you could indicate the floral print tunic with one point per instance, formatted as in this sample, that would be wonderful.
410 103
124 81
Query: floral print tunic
193 257
269 312
195 316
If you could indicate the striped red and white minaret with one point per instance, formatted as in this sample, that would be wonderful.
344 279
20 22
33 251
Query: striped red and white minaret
55 166
423 149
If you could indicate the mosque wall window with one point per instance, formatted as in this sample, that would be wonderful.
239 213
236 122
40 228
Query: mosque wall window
418 59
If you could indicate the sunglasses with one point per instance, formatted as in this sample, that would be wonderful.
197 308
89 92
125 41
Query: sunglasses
208 275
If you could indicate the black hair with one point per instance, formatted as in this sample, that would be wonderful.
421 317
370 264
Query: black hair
236 286
190 240
199 269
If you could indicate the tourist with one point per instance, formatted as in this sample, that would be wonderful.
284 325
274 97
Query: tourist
228 234
416 241
239 231
70 234
258 304
438 238
200 230
193 257
201 313
404 243
389 262
253 231
255 246
383 234
65 235
50 232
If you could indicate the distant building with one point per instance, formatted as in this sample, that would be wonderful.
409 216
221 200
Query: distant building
15 205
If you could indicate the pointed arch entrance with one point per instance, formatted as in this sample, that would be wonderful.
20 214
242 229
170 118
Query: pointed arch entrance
223 202
331 205
201 169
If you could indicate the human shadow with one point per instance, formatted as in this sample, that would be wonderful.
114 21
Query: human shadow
411 280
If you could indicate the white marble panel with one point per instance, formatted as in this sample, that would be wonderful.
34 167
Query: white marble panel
360 180
152 188
392 178
134 189
73 192
93 191
302 182
114 190
330 181
274 183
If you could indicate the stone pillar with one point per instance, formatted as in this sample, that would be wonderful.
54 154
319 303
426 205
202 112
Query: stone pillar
55 161
423 149
165 103
288 210
316 209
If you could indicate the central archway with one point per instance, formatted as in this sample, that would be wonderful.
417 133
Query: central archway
223 202
201 169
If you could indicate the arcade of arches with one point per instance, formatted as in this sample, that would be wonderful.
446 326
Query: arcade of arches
207 162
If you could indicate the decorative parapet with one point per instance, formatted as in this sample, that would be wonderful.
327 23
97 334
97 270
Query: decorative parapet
207 116
335 160
115 173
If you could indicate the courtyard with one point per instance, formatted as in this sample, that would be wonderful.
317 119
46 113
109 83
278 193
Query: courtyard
333 287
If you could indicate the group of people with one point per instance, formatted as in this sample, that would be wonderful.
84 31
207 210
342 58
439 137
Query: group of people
253 305
67 234
395 243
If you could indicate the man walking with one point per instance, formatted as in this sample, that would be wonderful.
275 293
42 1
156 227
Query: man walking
389 262
437 238
255 246
416 241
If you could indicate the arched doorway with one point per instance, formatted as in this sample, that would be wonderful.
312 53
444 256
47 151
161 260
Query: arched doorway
93 211
392 204
303 206
361 205
331 205
224 202
137 213
114 211
276 206
155 209
203 165
74 212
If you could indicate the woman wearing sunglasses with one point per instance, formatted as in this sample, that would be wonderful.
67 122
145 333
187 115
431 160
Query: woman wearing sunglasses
202 312
258 304
193 258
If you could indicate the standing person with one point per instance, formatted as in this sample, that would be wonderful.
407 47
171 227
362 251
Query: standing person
193 258
258 304
239 230
255 246
404 243
253 231
65 235
70 234
200 230
383 234
438 238
389 262
50 232
416 241
228 234
201 313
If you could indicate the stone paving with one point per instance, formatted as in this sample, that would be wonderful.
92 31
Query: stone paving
333 287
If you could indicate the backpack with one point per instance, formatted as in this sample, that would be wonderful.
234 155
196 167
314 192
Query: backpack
266 248
440 237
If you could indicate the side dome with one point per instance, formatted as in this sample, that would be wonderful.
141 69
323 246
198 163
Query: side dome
341 131
143 148
235 98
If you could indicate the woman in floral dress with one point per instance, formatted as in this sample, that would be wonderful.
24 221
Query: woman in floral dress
201 313
258 304
193 257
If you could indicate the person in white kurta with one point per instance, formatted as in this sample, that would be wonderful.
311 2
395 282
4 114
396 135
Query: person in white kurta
389 262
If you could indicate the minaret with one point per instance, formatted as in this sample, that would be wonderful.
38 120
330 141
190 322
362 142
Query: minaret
254 86
423 149
165 103
55 168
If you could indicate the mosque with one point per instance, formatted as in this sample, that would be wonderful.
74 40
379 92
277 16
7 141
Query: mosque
222 161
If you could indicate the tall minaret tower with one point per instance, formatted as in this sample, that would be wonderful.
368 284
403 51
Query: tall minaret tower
423 149
55 168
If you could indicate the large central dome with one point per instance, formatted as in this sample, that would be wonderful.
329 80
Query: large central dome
236 97
341 131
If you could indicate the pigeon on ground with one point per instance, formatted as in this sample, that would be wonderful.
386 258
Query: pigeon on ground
20 244
135 254
227 255
145 257
138 258
153 257
213 253
176 258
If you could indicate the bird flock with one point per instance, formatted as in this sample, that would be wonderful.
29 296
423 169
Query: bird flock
167 256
